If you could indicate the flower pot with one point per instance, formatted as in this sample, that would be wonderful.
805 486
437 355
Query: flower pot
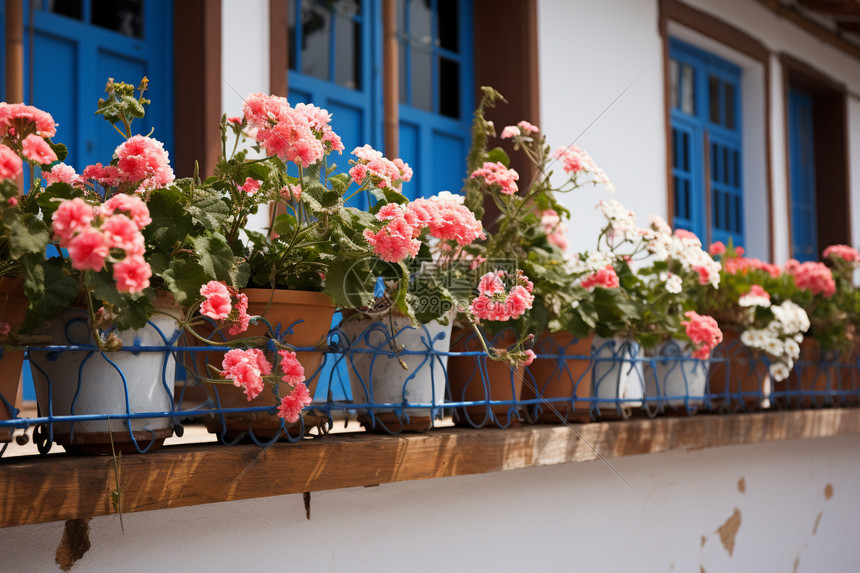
563 381
90 382
814 381
299 318
674 378
375 350
737 378
13 308
617 375
477 378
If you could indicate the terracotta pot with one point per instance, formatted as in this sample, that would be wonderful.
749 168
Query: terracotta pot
299 318
377 377
815 379
13 308
89 382
563 381
478 378
849 369
737 378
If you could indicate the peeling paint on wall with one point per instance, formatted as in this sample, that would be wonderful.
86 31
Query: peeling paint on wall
742 485
828 491
74 544
729 531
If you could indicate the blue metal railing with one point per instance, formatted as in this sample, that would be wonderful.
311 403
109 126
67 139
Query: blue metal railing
406 379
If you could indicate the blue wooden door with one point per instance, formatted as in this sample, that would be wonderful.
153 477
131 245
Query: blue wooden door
76 46
804 241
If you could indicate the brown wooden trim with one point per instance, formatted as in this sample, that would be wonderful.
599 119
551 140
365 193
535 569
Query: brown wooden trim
787 155
736 39
279 48
706 162
61 487
197 88
14 51
391 79
714 28
831 140
667 121
822 33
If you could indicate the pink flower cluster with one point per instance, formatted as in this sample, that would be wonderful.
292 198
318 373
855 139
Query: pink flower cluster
301 135
604 278
251 186
703 332
756 296
523 127
740 265
246 369
294 375
498 174
37 150
140 160
812 276
11 165
378 170
111 232
218 305
575 160
846 253
555 229
62 173
397 238
494 303
446 218
16 118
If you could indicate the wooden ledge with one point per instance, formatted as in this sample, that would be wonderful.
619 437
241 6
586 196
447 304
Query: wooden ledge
34 490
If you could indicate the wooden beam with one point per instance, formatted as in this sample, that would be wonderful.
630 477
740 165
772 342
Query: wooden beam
14 51
279 48
390 80
34 489
821 32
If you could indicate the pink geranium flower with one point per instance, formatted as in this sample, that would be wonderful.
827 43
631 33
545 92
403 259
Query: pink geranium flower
292 405
62 173
604 278
88 250
132 274
243 319
703 332
294 372
132 205
11 165
143 159
14 114
70 217
498 174
217 304
246 369
37 150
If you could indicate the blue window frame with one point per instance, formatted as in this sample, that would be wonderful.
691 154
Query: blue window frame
79 44
336 63
706 144
804 230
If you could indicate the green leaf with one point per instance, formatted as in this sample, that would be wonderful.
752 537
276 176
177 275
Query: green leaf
49 199
215 257
349 284
27 235
184 278
385 196
208 210
59 149
46 303
284 224
171 224
132 311
498 155
132 106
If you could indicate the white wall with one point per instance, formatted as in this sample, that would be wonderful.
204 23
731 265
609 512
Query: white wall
558 518
589 53
244 63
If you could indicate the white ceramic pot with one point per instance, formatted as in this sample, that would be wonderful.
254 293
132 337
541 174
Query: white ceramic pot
617 373
676 379
89 382
375 350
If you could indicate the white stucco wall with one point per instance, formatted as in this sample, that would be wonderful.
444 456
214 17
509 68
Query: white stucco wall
590 51
558 518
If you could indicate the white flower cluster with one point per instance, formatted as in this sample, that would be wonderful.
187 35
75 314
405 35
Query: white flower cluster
593 262
621 220
674 284
781 339
685 248
750 300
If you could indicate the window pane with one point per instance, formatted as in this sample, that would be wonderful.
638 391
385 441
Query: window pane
420 22
448 25
69 8
688 90
673 83
291 34
730 105
714 98
347 63
316 30
123 16
449 88
422 75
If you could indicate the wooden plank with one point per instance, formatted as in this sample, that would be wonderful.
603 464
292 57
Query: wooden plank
35 490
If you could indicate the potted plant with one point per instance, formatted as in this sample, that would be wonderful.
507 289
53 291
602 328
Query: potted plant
763 329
